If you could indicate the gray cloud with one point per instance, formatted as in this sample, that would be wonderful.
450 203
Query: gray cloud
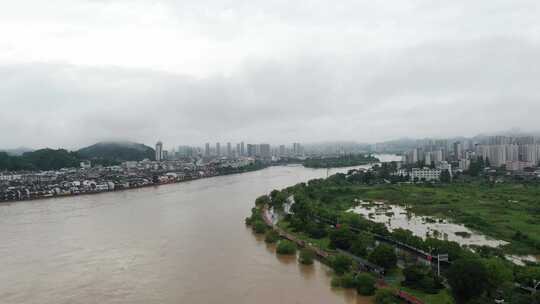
278 72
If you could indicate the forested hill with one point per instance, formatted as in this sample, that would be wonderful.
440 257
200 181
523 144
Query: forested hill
104 153
44 159
117 151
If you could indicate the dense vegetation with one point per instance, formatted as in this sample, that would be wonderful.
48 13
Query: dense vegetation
508 211
271 236
385 296
341 161
117 151
44 159
306 256
286 247
256 221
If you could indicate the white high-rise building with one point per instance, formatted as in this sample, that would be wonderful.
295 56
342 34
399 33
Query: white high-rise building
530 153
512 152
427 158
265 150
458 151
297 149
497 155
159 151
437 156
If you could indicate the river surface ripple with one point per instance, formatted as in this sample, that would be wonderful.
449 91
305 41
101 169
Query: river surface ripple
179 243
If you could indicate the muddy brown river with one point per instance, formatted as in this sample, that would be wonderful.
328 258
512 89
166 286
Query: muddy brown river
179 243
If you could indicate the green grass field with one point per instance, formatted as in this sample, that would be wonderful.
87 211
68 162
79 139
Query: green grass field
499 211
323 243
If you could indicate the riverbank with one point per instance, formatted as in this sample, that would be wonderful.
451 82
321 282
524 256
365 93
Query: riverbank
142 184
324 255
319 212
145 245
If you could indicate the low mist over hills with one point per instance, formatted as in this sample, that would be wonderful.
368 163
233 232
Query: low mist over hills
17 151
43 159
117 151
103 153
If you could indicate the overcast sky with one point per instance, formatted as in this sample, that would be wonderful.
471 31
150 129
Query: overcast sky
74 72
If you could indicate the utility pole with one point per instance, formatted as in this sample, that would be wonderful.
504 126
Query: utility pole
443 257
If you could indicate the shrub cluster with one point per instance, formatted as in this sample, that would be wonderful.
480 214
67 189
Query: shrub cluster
286 247
256 221
421 278
271 237
364 283
306 256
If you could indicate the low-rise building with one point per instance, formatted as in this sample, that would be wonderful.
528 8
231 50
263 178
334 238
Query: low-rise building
425 174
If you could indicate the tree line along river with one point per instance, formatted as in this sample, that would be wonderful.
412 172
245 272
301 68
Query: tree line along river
177 243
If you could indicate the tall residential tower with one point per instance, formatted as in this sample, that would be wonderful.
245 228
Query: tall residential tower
159 151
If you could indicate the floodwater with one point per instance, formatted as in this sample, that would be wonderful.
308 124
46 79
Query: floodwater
395 216
179 243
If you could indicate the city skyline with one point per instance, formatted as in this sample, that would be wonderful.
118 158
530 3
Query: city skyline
513 132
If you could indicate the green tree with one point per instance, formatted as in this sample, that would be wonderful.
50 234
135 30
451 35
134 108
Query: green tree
468 279
286 247
341 263
361 243
262 200
271 236
341 238
259 227
365 284
278 198
385 296
302 208
527 275
498 274
347 281
446 177
306 256
421 278
383 256
413 275
316 230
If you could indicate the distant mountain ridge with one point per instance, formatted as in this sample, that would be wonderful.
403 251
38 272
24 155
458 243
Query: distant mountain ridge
118 151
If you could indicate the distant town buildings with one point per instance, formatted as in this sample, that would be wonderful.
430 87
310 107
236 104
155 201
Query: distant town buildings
131 174
510 152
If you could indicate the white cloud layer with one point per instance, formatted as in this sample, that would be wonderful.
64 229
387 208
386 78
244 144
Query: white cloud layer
73 72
